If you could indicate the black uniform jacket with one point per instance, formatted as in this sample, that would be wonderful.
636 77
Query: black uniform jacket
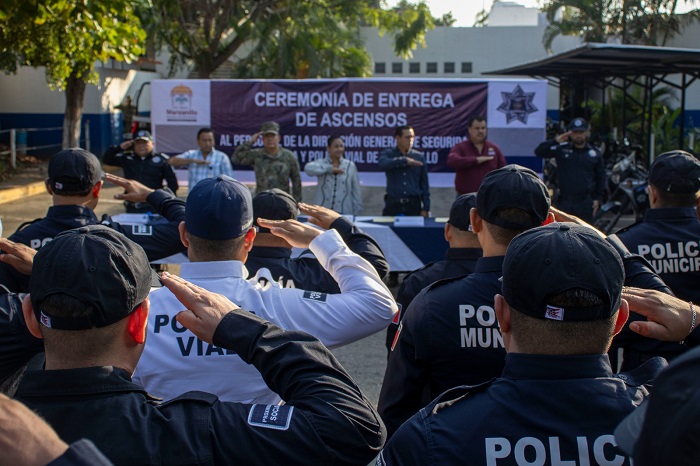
581 171
150 170
449 337
305 272
543 410
326 419
458 262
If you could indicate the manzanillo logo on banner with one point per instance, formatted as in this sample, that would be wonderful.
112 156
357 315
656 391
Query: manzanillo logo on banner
185 103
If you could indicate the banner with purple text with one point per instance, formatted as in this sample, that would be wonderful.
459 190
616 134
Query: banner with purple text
364 112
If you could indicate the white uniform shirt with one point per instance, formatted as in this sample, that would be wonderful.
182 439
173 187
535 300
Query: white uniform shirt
175 361
219 164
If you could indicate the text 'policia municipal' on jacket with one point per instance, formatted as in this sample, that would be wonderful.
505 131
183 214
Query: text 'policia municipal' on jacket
630 349
306 272
158 240
581 172
150 170
449 336
669 239
326 419
545 410
457 263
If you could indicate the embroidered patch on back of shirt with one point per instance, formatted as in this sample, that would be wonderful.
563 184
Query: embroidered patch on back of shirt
271 416
554 313
143 230
315 296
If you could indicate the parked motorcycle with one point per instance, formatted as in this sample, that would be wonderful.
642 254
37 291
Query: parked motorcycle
627 191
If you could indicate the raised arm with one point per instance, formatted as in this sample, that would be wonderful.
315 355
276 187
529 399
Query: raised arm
325 418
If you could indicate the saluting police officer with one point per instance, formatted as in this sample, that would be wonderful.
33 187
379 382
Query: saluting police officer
74 181
306 272
580 168
140 163
557 401
449 335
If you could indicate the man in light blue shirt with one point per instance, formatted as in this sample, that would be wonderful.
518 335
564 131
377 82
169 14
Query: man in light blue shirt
205 162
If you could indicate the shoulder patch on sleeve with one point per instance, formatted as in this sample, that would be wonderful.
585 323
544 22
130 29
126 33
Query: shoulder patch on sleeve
315 296
271 416
143 230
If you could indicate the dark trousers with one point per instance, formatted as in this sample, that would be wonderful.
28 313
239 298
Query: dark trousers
401 206
582 207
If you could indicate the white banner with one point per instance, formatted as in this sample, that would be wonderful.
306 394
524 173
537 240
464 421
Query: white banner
517 104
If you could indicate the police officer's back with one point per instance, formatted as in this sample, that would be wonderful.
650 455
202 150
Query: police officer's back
449 335
140 163
557 399
580 169
669 235
304 272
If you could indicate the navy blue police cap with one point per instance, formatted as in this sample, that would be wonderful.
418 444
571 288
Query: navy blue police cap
544 262
578 124
459 212
274 204
513 186
675 172
74 171
219 208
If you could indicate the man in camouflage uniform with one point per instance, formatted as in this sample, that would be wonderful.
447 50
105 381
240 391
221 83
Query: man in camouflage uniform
274 165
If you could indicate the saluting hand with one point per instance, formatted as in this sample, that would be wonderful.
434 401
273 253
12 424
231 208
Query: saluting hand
204 309
563 137
135 191
319 215
18 255
298 234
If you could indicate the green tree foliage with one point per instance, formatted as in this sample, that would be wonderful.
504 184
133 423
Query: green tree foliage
284 38
640 22
67 38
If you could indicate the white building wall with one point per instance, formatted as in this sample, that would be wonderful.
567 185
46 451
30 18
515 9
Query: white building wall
483 49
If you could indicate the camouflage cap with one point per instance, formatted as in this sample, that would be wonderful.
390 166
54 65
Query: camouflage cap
270 127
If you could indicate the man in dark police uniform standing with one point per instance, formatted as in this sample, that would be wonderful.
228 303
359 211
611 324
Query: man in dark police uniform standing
580 168
557 401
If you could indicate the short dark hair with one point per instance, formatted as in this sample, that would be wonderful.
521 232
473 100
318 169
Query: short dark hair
400 129
669 200
546 336
472 119
75 344
204 130
333 138
504 236
214 249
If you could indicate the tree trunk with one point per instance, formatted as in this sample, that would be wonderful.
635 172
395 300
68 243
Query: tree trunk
75 97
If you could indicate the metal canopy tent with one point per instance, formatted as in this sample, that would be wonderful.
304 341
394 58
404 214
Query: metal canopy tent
620 66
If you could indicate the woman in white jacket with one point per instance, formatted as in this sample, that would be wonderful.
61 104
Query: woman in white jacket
338 184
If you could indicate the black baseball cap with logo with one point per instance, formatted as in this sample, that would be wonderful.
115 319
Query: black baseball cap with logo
549 260
578 124
74 172
96 265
